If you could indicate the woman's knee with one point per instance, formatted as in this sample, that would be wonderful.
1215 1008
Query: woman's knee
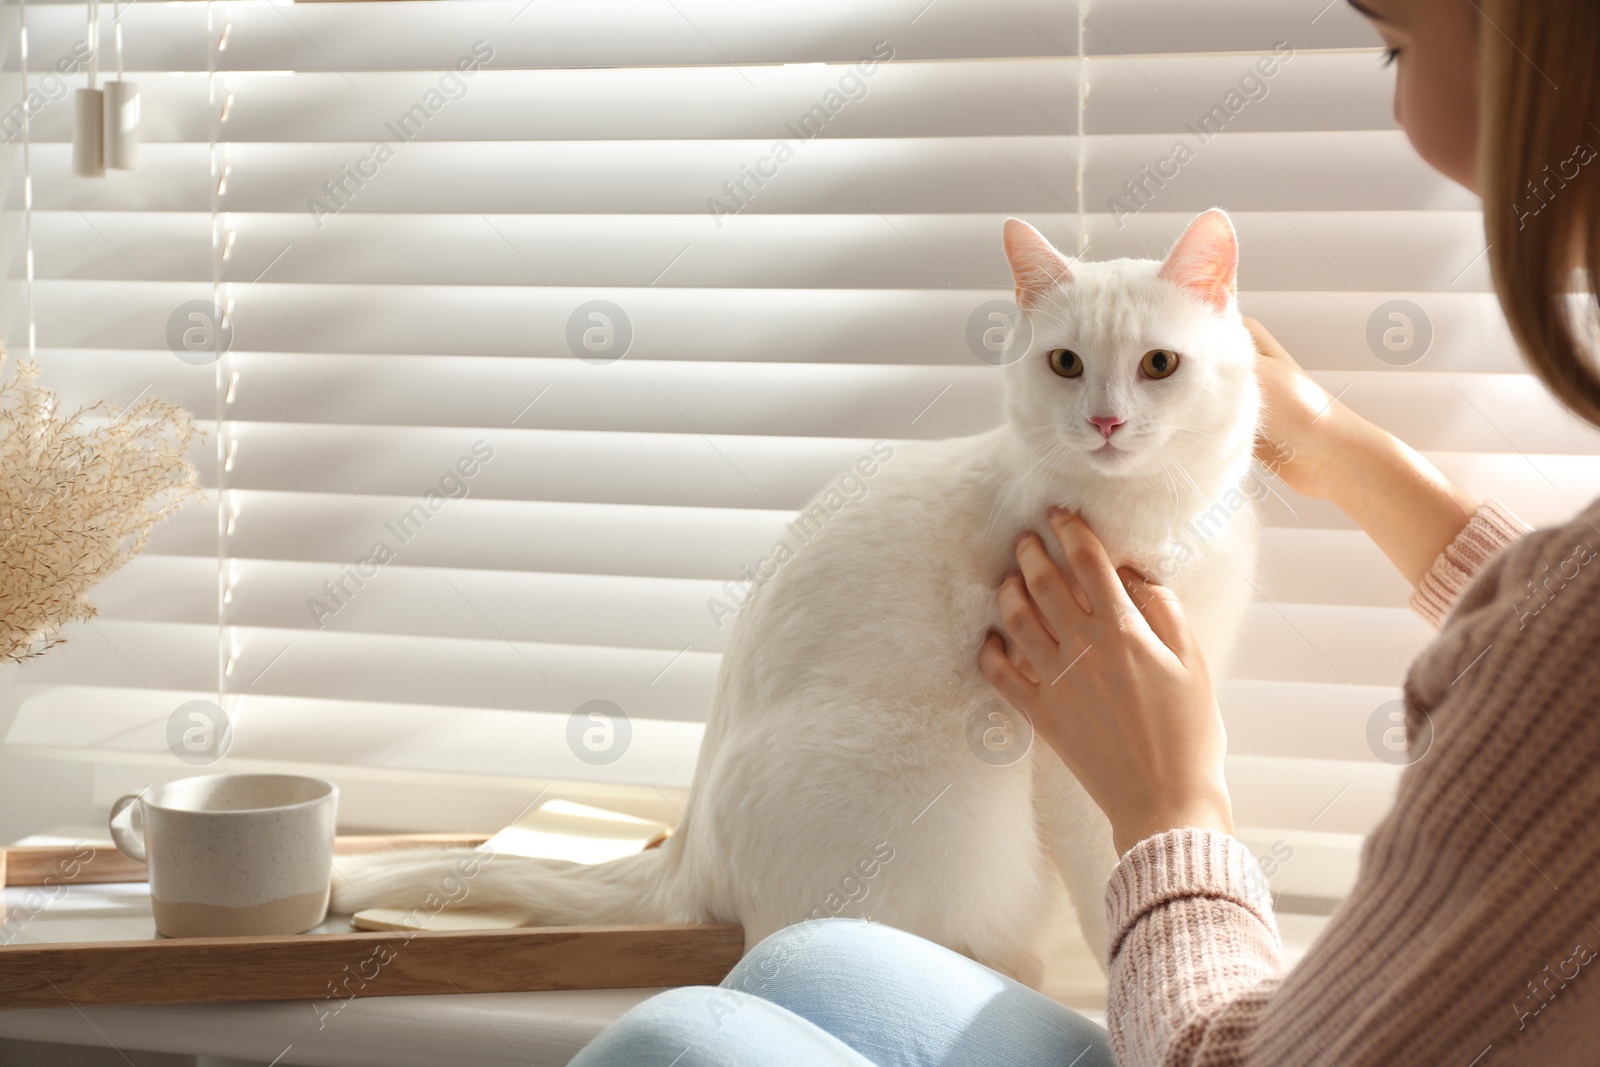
777 953
669 1024
709 1026
820 950
866 983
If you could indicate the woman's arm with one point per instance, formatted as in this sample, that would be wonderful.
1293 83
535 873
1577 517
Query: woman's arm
1433 532
1472 916
1408 508
1468 934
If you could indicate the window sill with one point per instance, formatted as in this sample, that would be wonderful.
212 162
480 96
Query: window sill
464 1031
511 1029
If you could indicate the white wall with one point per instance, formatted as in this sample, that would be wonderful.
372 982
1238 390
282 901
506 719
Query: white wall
37 794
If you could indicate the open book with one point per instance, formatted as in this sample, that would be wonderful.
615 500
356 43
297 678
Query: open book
555 829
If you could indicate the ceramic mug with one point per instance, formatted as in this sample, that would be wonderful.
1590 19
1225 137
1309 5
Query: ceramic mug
232 854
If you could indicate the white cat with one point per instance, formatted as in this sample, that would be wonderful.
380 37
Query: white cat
854 759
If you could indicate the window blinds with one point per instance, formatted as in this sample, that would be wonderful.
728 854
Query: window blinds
543 318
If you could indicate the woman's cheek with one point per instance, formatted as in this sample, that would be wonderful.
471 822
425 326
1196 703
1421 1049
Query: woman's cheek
1439 112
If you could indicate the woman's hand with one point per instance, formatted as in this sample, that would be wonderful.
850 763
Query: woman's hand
1322 448
1117 685
1303 428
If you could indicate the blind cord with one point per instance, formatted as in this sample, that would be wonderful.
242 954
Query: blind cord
1081 169
27 177
92 39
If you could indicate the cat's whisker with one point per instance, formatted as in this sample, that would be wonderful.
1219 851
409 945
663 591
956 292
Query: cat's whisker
1205 435
1199 494
994 510
1202 437
1172 491
1201 499
1210 446
1013 490
1146 474
1038 475
1267 482
1048 434
1001 500
1201 442
1194 429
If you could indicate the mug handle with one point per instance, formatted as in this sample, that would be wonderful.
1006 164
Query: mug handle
128 838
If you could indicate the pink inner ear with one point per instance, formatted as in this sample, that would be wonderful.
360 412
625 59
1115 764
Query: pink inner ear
1036 266
1205 260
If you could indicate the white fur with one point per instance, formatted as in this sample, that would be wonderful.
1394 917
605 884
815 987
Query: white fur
843 705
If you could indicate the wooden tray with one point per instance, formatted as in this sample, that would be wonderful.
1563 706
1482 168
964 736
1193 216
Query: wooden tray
336 966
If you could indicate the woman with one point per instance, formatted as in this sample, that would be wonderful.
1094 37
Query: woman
1477 908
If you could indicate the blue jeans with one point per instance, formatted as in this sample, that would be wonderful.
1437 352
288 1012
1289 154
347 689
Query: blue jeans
853 994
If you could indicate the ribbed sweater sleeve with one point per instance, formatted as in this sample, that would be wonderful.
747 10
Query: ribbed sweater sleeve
1489 530
1470 936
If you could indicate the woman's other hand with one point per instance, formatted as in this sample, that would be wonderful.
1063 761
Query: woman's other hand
1301 423
1116 685
1322 448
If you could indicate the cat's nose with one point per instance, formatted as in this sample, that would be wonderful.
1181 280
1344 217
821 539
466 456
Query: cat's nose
1106 424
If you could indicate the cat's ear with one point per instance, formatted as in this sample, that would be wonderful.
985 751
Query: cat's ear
1035 264
1205 261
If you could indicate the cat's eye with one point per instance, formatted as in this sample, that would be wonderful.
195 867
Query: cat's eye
1066 362
1158 363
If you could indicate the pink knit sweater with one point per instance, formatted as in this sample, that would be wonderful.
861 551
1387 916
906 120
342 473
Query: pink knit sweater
1471 937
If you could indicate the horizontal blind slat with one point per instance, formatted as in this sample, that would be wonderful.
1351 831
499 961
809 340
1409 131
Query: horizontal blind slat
570 33
682 468
496 666
985 97
111 726
390 592
1327 91
482 672
1325 330
1364 170
591 538
436 34
858 176
1306 251
1133 28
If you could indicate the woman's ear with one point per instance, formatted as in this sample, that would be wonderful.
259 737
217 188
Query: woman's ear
1035 264
1205 261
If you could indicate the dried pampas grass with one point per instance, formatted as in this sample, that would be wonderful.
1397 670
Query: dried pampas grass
78 497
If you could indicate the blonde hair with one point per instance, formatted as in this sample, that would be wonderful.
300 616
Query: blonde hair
1540 178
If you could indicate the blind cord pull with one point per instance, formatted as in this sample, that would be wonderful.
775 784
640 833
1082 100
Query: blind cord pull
121 108
89 109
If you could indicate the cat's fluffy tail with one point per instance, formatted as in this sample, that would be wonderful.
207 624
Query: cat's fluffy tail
538 892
